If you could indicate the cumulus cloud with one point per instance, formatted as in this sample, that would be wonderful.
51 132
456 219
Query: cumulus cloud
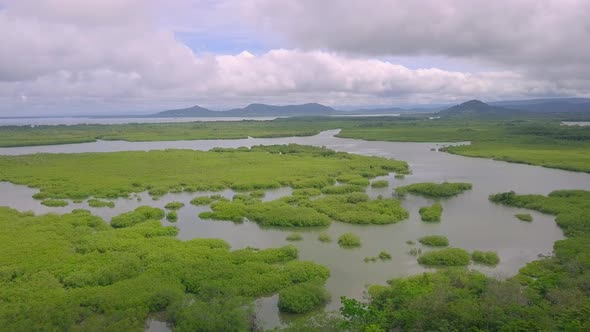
67 53
523 31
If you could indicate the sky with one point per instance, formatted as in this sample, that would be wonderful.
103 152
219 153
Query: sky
66 57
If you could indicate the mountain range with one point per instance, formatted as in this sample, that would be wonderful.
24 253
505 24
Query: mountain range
556 106
252 110
569 108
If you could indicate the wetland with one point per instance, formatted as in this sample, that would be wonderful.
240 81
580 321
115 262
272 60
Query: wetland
471 221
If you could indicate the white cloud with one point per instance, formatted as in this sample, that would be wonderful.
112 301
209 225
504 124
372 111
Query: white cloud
93 56
524 32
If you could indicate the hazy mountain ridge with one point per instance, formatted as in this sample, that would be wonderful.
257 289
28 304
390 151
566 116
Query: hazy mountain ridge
575 108
252 110
474 108
547 106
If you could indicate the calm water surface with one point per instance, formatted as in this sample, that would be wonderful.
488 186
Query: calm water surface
576 123
469 220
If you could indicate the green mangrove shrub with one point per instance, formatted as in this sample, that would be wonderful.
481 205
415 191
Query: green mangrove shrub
434 241
445 257
258 193
202 200
435 190
324 237
524 217
172 216
380 184
485 257
139 215
353 179
431 213
119 174
310 192
342 189
294 237
114 279
349 240
384 255
303 298
287 212
357 209
97 203
54 202
174 205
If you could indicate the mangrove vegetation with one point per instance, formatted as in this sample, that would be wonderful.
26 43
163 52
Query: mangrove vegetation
349 240
445 257
119 174
434 241
434 190
76 272
431 213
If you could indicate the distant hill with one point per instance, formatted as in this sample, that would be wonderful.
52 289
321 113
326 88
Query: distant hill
252 110
564 108
474 108
384 110
311 109
549 106
195 111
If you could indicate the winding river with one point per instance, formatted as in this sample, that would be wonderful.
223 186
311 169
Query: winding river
469 220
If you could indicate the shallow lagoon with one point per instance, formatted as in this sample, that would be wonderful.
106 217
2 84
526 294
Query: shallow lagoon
469 220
